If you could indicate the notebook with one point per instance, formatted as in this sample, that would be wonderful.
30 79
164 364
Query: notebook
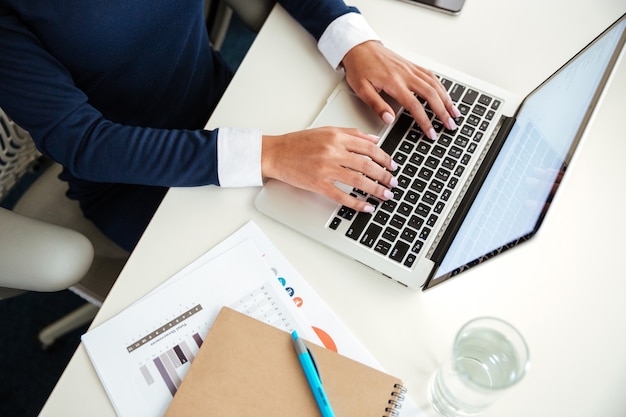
469 195
248 368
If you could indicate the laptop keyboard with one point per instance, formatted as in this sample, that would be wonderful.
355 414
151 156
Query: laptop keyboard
428 172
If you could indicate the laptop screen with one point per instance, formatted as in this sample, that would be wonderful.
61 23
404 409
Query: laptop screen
517 192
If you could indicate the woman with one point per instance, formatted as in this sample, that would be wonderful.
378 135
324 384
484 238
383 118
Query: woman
118 92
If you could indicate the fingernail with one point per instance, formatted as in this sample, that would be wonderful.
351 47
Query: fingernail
432 134
368 209
388 118
394 165
394 182
451 124
456 112
388 194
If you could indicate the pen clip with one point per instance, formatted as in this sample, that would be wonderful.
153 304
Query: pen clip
317 370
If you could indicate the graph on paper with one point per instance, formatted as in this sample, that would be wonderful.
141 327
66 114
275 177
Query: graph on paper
165 353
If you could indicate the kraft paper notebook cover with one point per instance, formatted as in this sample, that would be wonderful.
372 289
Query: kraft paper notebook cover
248 368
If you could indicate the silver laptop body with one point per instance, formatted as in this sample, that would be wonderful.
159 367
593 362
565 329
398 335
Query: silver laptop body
471 194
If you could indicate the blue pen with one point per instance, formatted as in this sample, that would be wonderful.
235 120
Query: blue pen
312 375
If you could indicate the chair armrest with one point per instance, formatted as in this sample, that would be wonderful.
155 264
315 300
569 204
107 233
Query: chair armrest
38 256
252 13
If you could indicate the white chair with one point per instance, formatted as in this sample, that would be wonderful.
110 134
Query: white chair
45 242
218 14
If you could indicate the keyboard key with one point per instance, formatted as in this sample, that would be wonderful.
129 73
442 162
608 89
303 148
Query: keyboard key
358 225
403 181
382 247
346 213
416 222
397 221
464 109
390 234
414 135
410 260
457 92
371 234
484 100
444 140
432 162
470 97
439 151
408 234
411 197
479 110
461 141
416 159
442 174
467 130
423 147
400 158
397 132
436 186
406 147
425 173
417 247
381 217
397 193
423 210
455 152
410 170
429 198
405 209
334 224
473 120
399 250
389 206
449 163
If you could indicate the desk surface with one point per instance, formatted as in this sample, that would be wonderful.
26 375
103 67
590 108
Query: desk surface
564 289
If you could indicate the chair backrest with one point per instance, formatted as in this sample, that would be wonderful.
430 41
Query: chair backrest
17 153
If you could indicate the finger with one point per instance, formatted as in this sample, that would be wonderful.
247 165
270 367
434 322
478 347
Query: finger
373 171
370 149
361 182
371 96
432 90
338 195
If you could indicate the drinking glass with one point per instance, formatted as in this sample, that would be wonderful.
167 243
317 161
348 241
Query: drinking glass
488 357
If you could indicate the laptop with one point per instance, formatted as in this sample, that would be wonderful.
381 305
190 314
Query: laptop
472 193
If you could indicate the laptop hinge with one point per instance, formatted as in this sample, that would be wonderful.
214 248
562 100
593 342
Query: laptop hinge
506 124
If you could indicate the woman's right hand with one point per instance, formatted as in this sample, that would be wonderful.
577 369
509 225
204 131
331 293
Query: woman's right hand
316 159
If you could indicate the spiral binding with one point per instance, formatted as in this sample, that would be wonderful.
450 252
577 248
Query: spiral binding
395 402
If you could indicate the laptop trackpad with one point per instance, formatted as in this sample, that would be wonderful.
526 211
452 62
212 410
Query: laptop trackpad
345 109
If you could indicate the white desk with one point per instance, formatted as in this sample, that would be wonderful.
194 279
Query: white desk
564 289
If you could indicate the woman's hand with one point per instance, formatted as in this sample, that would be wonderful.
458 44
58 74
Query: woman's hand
317 158
371 68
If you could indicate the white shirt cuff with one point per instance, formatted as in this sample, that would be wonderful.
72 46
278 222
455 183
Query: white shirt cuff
239 157
343 34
